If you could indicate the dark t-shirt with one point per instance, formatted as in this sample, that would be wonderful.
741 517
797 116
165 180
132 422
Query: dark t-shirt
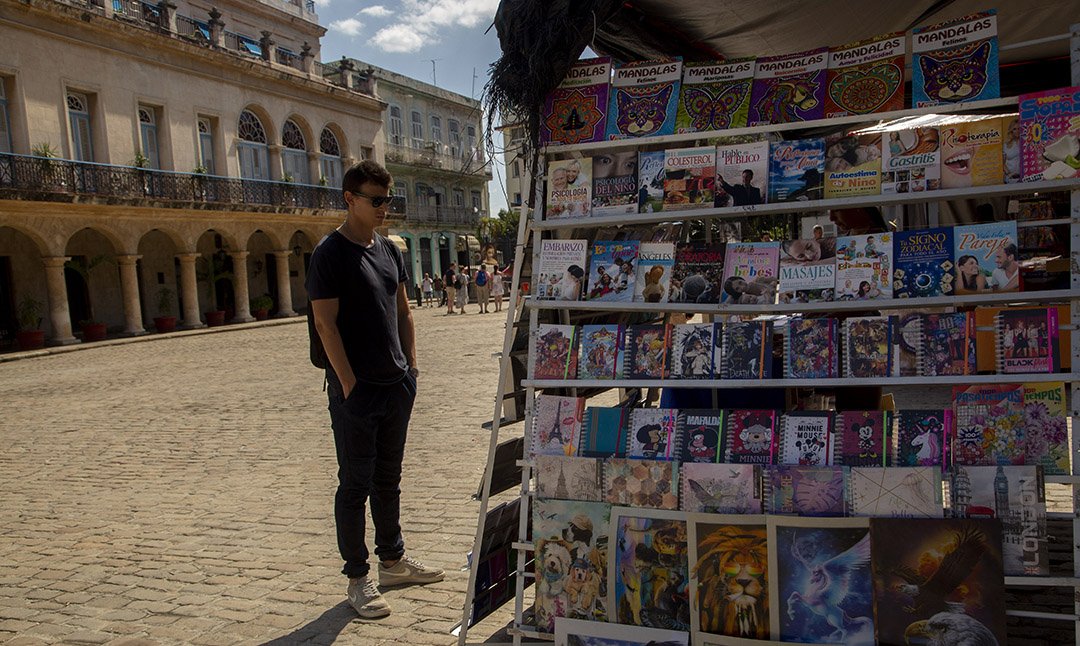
449 278
365 282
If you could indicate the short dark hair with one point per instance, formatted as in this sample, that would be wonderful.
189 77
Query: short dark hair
1010 250
364 172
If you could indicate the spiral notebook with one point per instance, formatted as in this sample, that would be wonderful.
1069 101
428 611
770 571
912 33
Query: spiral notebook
700 431
1046 438
868 346
641 483
922 437
896 492
861 438
646 351
810 349
598 351
1027 341
747 350
989 424
653 434
556 424
556 352
561 477
947 344
603 432
749 436
793 490
720 488
695 350
806 438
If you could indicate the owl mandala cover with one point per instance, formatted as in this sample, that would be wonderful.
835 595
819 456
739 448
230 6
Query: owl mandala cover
922 437
1049 134
862 438
1046 441
955 61
923 263
700 433
742 174
989 422
805 491
575 112
644 97
811 349
948 344
789 88
865 77
911 161
715 96
750 437
797 170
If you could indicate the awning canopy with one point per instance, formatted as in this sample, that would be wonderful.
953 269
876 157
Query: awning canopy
474 243
399 241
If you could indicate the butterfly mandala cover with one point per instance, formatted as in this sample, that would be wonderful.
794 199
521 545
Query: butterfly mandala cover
643 99
955 61
576 111
866 77
715 96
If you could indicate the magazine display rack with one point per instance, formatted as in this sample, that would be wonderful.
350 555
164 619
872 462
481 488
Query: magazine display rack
533 230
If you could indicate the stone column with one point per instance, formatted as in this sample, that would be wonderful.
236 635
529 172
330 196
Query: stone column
266 45
314 170
436 260
129 287
168 15
59 315
217 28
452 246
240 281
189 289
345 69
307 59
273 160
284 283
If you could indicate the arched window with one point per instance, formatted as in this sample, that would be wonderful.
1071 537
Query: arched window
294 159
252 148
149 136
251 128
330 158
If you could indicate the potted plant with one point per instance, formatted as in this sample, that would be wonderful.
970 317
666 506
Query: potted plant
92 329
49 171
165 321
30 335
260 307
213 269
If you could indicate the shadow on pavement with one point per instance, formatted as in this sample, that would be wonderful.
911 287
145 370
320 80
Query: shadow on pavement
324 630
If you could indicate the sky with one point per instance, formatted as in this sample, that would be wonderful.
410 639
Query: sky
404 36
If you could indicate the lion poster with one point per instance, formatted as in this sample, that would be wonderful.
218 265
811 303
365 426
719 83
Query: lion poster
729 575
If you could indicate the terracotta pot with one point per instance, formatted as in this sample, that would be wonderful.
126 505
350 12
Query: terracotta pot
93 332
214 319
261 315
165 323
30 339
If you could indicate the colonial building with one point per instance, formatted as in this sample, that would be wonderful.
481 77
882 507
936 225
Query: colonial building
518 177
179 157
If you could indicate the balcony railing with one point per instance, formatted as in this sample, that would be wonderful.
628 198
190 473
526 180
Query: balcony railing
436 155
450 215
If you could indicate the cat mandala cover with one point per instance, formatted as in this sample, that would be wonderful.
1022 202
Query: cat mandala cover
852 165
955 61
655 262
1049 134
742 174
922 437
797 170
576 111
715 96
924 263
644 97
865 77
789 88
911 161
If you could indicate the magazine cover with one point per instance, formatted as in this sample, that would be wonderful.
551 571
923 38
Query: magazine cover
747 350
852 165
598 353
804 491
929 572
557 424
864 267
742 174
1028 340
923 261
653 434
646 351
562 477
644 96
948 344
569 189
689 178
811 349
641 483
868 346
612 270
652 282
1013 495
750 273
862 438
615 183
789 88
972 153
896 492
556 352
806 438
1049 134
700 433
576 111
986 259
922 437
955 61
989 422
562 269
750 436
698 275
796 170
695 347
807 270
720 488
715 96
729 577
650 569
603 432
865 77
579 632
1010 149
650 192
1046 440
911 161
571 539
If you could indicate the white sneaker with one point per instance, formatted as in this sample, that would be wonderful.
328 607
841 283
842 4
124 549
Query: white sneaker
366 599
408 570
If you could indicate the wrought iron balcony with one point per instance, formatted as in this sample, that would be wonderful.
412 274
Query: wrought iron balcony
433 154
443 215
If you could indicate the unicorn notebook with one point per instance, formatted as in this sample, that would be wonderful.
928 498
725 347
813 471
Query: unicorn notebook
922 437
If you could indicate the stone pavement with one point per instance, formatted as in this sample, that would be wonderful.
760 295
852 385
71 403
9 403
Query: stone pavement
180 491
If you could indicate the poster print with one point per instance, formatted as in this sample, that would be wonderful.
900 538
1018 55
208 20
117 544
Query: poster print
571 540
729 575
575 632
650 569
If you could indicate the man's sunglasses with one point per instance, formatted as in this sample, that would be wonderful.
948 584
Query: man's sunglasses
376 200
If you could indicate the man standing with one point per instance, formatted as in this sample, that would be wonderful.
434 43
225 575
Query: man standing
483 288
428 287
357 282
449 280
745 193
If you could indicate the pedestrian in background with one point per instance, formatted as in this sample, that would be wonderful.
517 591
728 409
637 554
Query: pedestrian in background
427 286
497 288
450 280
462 289
483 288
440 290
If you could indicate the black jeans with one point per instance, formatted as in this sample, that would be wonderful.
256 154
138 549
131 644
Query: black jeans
369 434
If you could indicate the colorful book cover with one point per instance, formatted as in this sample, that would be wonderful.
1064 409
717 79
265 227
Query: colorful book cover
864 267
804 491
852 165
911 161
700 433
650 192
729 579
1028 341
698 275
986 258
868 346
634 482
575 112
896 492
562 269
715 96
933 572
1011 160
656 260
955 61
862 438
653 434
1046 438
972 154
948 344
649 562
598 354
811 349
922 437
569 189
865 77
562 477
806 438
747 350
789 88
808 270
615 183
612 270
797 170
1049 134
908 341
557 424
923 262
989 422
644 97
647 351
751 273
694 350
603 432
1014 495
749 436
571 540
556 352
986 336
742 174
689 178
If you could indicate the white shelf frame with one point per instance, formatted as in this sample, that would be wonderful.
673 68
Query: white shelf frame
711 384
